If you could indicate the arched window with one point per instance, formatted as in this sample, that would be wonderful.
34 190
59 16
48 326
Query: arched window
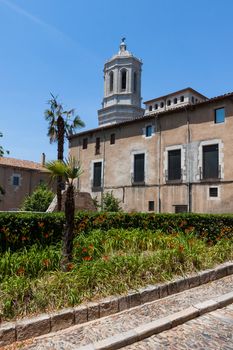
161 104
168 102
123 79
135 82
156 106
175 101
111 77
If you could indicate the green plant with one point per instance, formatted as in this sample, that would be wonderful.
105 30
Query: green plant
39 200
110 203
59 129
69 170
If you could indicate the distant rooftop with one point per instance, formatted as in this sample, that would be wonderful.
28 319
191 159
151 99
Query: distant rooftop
188 89
18 163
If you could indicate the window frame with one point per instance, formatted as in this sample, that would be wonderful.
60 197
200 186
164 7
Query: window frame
207 169
137 181
85 143
18 177
97 145
215 115
112 139
123 79
111 81
96 188
170 172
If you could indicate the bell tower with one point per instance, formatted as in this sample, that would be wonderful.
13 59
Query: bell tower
122 88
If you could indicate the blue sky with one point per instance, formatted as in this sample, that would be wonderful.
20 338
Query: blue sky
60 46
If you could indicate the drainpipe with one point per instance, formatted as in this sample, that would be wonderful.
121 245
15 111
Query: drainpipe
102 187
189 194
159 165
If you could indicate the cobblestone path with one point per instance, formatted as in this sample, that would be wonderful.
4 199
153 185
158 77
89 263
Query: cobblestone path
213 331
76 336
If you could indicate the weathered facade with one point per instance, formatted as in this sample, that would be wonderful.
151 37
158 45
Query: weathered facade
177 157
19 178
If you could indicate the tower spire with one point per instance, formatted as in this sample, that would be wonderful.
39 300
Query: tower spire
123 45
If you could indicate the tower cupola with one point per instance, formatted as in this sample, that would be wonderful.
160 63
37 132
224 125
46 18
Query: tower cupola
122 88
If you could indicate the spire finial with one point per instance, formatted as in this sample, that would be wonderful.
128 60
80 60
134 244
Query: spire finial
123 44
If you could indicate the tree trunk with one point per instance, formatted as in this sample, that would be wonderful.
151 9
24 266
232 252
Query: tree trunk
60 156
68 234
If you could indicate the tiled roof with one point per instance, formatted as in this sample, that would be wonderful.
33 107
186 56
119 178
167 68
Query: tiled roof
18 163
154 114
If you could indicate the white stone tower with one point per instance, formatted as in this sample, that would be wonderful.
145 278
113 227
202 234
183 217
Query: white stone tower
122 88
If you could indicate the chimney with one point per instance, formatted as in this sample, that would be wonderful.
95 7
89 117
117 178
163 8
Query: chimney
43 159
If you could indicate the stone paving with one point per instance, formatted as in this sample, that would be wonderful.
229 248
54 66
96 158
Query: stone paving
76 336
213 331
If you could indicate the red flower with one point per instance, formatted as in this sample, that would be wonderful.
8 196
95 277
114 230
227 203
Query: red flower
84 250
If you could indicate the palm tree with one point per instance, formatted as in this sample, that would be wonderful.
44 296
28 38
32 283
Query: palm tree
61 126
70 170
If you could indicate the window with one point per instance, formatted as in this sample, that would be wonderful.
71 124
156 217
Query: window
112 139
192 99
151 206
150 108
111 76
97 145
219 115
85 141
161 104
148 130
175 101
156 106
181 209
168 102
213 192
135 82
174 164
97 174
15 180
123 80
139 172
210 162
181 98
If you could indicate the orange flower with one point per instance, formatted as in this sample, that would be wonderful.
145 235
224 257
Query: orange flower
20 271
23 238
84 250
46 262
105 257
69 266
87 258
40 224
181 248
46 235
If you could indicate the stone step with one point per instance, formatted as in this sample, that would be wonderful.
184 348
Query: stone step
118 330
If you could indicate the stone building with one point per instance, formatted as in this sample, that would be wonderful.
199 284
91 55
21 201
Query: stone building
176 156
19 178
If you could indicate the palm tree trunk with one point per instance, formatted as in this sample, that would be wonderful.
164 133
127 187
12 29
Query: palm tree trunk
68 234
60 156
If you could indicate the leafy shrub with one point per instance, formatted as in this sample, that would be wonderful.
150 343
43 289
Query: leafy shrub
24 229
110 203
39 200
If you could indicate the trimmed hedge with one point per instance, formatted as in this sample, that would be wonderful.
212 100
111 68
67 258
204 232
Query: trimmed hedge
20 229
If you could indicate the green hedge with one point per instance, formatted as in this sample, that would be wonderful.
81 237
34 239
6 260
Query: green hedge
20 229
